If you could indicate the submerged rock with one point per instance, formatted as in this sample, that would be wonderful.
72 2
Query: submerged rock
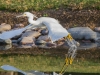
82 33
5 27
45 38
5 47
8 41
40 42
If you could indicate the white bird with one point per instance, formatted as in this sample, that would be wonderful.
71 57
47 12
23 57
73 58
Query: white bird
56 30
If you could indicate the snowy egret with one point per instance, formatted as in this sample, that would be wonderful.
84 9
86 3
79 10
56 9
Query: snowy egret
56 30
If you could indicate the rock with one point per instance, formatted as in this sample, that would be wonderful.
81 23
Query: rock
44 32
15 44
45 38
5 27
19 25
3 23
14 41
27 40
8 41
27 46
97 29
30 34
82 33
5 47
47 45
40 42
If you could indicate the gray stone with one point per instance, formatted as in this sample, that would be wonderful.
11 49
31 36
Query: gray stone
45 38
8 41
27 40
14 41
25 46
44 32
40 42
5 27
82 33
30 34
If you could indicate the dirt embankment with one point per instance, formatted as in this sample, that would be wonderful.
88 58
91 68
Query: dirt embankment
67 18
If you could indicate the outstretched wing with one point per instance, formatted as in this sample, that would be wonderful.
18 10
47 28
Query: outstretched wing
56 31
12 33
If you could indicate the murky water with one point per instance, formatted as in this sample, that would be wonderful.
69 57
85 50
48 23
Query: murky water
84 46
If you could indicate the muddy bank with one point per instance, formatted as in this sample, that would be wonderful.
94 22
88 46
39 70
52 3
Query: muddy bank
93 53
67 18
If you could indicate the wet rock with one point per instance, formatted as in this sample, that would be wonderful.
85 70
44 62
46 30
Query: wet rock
27 46
8 41
5 27
5 47
40 42
82 33
27 40
47 45
30 34
45 38
14 41
97 29
44 32
15 44
19 40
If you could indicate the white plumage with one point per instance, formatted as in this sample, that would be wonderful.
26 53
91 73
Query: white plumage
56 31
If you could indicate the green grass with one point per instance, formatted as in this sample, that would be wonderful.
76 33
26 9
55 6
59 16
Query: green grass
26 5
48 63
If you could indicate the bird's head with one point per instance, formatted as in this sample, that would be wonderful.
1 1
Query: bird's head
27 14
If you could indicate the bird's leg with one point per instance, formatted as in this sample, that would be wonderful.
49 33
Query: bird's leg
71 52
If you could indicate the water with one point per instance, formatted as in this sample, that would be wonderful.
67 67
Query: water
83 46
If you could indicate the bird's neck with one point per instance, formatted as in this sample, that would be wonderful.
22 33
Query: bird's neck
31 21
